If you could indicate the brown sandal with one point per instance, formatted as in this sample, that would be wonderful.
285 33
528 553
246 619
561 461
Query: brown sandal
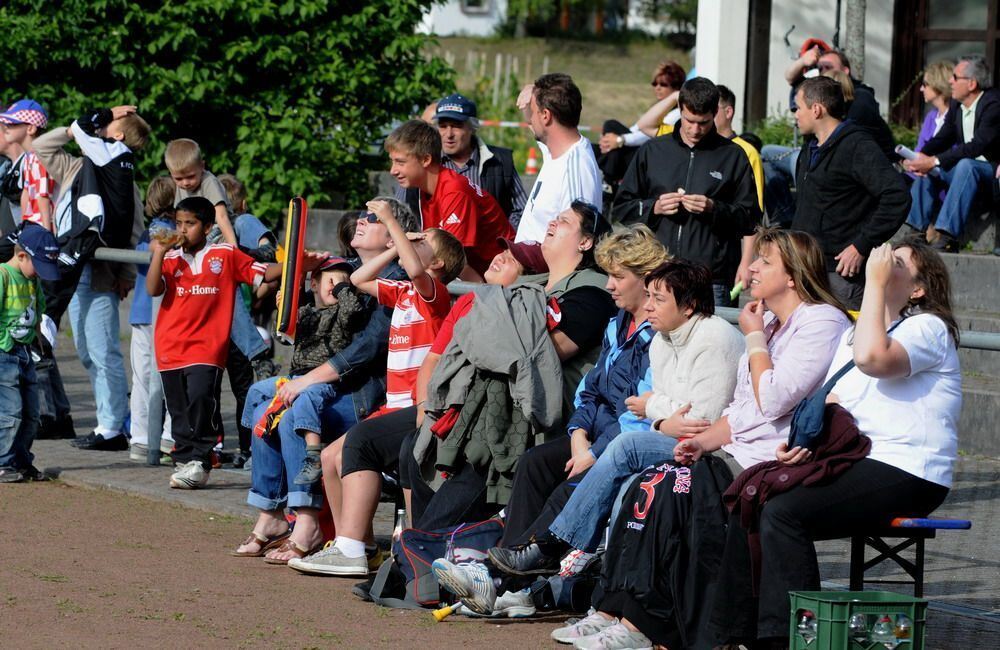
266 544
291 547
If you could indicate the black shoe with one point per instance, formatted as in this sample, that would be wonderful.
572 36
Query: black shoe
55 428
97 442
240 459
363 591
537 558
945 243
33 474
11 475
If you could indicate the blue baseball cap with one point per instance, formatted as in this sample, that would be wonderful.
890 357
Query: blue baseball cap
455 107
25 111
43 248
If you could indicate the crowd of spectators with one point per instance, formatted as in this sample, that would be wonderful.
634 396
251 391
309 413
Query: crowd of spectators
583 390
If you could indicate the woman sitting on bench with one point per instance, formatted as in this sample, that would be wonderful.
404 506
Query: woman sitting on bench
905 394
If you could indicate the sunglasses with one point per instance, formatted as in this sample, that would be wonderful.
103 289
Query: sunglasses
369 217
659 84
825 67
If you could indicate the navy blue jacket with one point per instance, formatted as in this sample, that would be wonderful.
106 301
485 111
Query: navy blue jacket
600 398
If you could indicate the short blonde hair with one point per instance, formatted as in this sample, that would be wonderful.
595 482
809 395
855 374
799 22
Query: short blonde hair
634 248
135 131
236 191
844 79
160 196
938 74
182 154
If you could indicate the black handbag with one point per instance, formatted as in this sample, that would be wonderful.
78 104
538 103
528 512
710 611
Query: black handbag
807 419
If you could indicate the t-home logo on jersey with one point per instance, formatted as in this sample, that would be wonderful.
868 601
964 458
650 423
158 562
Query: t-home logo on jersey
197 290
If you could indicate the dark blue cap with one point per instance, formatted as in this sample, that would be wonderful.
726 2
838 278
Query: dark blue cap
43 248
455 107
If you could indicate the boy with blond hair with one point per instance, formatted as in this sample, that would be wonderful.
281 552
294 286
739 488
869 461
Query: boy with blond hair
187 168
448 200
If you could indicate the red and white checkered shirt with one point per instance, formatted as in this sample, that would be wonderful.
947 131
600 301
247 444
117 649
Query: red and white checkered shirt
37 184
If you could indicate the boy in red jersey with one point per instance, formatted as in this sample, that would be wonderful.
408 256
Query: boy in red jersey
198 283
447 199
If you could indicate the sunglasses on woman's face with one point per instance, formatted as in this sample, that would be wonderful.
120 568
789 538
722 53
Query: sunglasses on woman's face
659 84
369 217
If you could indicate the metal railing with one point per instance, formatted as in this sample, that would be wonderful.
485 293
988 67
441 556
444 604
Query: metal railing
970 339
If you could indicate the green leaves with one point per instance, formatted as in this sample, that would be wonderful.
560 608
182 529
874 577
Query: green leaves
289 95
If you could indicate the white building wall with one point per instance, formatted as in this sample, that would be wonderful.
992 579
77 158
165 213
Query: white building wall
451 18
721 46
816 19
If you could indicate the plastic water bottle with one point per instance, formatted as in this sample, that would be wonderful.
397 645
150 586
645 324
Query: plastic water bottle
904 628
807 627
884 632
857 628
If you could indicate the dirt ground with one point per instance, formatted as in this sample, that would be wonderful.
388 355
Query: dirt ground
99 569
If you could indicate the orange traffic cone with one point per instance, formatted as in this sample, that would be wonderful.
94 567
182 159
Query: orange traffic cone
531 167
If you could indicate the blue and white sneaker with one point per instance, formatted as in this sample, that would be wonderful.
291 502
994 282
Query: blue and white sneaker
470 581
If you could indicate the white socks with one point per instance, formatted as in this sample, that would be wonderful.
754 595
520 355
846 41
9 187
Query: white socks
350 547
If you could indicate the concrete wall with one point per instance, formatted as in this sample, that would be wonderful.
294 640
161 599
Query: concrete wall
721 46
816 18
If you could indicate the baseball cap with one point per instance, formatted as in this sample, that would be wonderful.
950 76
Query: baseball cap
25 111
456 107
810 43
43 248
528 253
334 262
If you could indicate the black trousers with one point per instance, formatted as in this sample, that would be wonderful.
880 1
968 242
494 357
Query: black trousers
373 445
540 471
461 499
192 396
867 496
241 378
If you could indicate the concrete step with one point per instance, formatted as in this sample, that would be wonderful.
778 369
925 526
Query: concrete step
975 281
978 431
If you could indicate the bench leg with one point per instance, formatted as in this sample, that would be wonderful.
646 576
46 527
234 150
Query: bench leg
858 563
918 573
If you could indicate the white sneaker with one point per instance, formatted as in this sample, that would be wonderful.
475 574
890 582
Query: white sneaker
470 581
587 626
576 561
615 637
331 561
512 604
189 476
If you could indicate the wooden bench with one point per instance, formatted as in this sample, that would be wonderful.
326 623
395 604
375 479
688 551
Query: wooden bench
911 532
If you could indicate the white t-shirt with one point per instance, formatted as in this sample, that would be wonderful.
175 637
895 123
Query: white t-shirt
573 175
912 421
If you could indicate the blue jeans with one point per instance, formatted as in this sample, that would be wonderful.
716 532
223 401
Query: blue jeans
721 294
965 180
18 407
779 179
585 515
243 332
93 315
277 458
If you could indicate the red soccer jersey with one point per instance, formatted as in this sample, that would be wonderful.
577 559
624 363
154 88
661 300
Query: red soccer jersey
37 185
461 307
469 213
192 326
415 323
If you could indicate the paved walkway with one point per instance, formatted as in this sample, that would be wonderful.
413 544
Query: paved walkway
962 567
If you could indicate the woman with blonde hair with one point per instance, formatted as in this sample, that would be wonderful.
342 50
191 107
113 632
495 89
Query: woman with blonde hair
844 79
791 329
936 89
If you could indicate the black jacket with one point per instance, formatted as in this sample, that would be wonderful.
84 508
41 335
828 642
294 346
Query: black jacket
716 168
985 140
497 177
864 112
850 195
661 568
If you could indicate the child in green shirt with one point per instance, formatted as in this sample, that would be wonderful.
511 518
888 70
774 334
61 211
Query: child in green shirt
21 308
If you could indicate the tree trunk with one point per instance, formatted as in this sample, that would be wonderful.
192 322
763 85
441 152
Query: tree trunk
855 41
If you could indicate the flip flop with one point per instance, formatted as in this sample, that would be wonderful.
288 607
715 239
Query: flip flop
291 547
266 544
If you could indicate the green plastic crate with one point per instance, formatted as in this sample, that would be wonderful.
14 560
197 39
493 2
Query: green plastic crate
833 610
